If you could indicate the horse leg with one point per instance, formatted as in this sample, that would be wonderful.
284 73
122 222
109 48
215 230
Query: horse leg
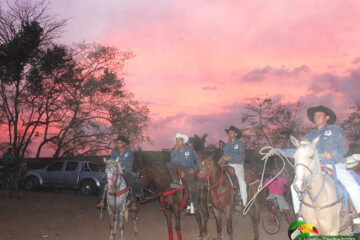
217 214
255 220
198 220
121 225
205 213
169 223
177 224
10 189
228 215
133 217
112 224
17 189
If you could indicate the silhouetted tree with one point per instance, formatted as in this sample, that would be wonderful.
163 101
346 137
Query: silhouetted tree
71 99
268 122
351 124
197 142
96 104
26 28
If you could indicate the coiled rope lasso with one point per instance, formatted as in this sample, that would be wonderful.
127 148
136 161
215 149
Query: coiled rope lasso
266 152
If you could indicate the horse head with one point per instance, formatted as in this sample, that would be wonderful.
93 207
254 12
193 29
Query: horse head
143 179
206 167
113 173
307 162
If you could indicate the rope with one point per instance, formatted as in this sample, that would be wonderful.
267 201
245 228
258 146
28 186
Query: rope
266 154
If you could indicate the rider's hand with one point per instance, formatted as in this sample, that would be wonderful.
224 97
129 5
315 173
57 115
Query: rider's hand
328 155
271 152
191 171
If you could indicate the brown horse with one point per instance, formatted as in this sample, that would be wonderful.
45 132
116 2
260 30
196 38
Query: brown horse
225 196
252 182
173 201
220 194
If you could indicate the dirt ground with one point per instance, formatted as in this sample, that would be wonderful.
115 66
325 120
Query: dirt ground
68 215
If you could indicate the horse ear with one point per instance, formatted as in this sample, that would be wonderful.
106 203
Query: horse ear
105 161
294 141
117 159
315 141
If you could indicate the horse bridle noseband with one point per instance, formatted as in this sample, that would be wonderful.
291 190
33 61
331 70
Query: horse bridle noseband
313 169
117 174
209 167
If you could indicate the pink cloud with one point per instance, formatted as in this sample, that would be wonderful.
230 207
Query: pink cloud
195 59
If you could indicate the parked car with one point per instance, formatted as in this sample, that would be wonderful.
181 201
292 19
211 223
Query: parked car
82 175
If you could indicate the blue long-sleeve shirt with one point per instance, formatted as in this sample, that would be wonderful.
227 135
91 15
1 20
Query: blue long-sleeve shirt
186 158
127 157
235 150
331 139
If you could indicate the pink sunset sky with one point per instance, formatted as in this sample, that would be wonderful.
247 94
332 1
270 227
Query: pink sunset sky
198 62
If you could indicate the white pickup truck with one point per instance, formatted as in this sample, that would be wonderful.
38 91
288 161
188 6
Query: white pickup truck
82 175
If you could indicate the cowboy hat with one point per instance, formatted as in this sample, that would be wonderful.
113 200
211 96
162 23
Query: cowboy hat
183 136
328 112
9 147
123 139
352 161
235 129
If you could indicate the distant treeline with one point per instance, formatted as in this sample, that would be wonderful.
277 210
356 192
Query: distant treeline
253 159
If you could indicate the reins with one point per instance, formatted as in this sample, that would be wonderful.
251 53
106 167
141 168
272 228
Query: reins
162 195
211 187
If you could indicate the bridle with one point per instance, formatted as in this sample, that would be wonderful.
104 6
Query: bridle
112 183
314 170
208 174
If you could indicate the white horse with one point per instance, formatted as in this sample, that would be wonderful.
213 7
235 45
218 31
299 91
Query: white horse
320 206
116 193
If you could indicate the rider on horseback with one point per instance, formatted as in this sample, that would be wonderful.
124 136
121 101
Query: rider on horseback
234 155
126 159
185 158
333 147
9 162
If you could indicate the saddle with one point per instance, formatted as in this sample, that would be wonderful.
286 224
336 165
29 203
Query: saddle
249 176
330 172
233 179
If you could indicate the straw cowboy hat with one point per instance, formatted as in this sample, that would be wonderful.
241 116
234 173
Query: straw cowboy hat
352 161
328 112
235 129
123 139
183 136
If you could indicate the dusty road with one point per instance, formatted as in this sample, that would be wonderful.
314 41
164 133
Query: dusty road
71 216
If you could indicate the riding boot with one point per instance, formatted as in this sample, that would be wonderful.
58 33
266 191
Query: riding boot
238 203
100 204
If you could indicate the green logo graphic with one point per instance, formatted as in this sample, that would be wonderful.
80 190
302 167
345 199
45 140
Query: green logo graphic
299 229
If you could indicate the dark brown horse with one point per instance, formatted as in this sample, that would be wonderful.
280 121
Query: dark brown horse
220 194
173 201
